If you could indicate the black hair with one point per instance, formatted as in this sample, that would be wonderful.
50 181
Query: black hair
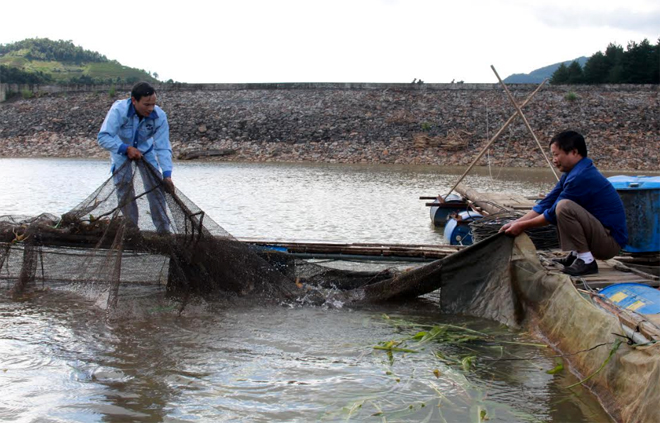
142 89
569 141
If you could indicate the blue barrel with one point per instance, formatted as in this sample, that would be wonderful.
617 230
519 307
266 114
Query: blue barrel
440 212
641 200
634 296
457 229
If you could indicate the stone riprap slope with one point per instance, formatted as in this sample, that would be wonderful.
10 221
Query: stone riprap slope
429 124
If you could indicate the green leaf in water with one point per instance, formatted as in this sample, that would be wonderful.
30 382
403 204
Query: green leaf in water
419 335
162 309
392 346
467 362
558 368
442 357
616 346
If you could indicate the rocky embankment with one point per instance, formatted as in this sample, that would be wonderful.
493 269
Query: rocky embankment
428 124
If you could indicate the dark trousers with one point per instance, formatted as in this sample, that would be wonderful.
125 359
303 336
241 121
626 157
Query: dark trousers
580 231
157 205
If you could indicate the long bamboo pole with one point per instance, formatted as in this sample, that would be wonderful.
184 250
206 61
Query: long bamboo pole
492 140
513 101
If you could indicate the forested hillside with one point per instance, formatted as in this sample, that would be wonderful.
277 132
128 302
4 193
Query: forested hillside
638 64
43 61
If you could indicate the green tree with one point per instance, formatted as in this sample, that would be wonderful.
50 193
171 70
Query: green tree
560 76
655 64
596 69
637 63
11 75
45 49
574 73
614 55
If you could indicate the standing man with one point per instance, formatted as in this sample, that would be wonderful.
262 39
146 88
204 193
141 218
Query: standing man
584 205
136 129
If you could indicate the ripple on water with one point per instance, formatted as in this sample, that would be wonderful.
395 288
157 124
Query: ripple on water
231 360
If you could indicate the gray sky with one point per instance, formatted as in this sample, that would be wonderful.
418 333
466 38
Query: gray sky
338 40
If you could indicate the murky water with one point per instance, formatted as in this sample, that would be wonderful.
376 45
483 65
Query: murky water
232 360
289 201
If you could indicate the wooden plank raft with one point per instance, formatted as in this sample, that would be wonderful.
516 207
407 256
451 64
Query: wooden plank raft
609 272
427 252
496 202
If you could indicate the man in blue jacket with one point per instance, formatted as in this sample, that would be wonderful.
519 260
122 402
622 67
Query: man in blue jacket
584 205
137 129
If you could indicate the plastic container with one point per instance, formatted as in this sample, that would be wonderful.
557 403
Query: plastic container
634 296
641 200
440 214
457 229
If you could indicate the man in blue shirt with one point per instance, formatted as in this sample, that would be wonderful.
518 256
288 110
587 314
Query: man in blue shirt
137 129
584 205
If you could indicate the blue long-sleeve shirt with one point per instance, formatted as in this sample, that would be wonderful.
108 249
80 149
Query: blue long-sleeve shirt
586 186
123 128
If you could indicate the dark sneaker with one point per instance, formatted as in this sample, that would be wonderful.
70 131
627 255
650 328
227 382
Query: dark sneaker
580 268
566 261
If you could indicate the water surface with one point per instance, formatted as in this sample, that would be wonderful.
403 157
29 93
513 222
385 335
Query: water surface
234 360
347 203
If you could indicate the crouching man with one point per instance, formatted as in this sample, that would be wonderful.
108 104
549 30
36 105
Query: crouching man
584 206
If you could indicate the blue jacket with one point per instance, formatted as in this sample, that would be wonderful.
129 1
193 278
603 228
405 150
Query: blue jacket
586 186
122 128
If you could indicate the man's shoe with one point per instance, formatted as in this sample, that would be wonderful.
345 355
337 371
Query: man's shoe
566 261
580 268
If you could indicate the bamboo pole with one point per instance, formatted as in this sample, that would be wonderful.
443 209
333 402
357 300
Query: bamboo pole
492 140
513 101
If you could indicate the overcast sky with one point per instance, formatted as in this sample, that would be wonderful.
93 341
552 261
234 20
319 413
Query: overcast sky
335 41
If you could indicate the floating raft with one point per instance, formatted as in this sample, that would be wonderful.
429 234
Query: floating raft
610 272
488 203
368 251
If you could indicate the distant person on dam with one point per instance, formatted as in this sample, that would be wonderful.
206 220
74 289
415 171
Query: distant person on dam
585 207
135 129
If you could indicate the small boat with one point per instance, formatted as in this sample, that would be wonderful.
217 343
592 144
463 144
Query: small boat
442 208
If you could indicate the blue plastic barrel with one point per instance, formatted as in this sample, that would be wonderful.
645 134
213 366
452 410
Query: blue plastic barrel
634 296
440 213
457 229
641 200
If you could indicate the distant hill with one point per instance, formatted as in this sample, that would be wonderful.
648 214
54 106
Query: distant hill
537 76
40 60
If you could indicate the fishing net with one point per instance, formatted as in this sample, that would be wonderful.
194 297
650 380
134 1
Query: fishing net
589 337
544 238
135 230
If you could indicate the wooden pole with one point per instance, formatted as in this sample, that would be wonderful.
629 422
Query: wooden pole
492 140
513 101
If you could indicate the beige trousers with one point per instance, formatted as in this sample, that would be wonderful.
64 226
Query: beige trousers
580 231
